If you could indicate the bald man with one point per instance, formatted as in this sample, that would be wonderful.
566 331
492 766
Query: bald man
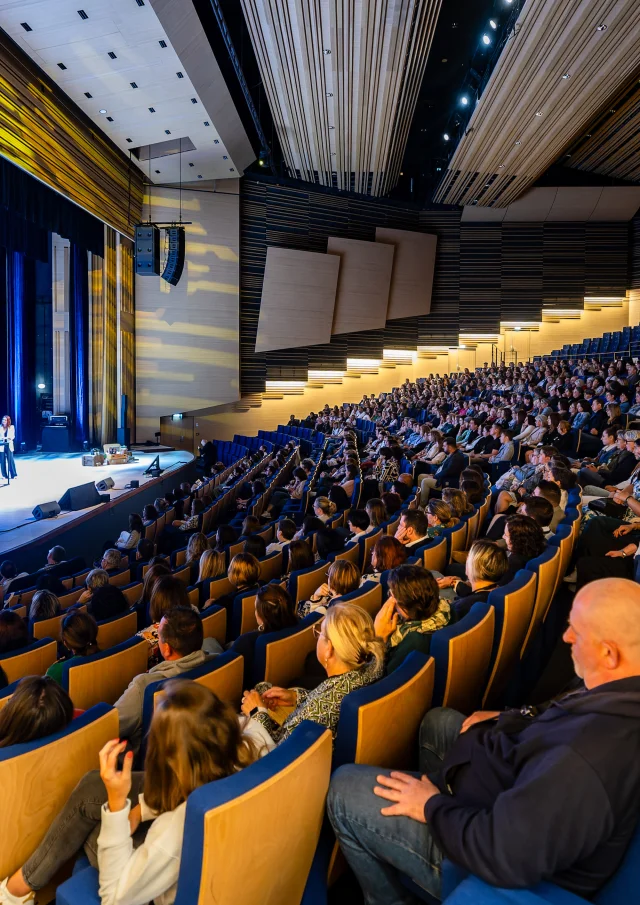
515 798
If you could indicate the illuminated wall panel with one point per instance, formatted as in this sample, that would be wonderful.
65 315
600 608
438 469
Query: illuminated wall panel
187 336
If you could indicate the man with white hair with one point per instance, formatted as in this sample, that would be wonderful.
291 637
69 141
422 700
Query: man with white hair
516 797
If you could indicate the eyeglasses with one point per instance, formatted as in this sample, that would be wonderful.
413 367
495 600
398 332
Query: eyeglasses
317 629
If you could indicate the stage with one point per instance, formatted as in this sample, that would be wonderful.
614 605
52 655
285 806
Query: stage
46 476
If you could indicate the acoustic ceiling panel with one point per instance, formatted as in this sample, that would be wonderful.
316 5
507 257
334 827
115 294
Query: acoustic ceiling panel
611 147
562 65
562 204
363 284
342 80
298 298
412 276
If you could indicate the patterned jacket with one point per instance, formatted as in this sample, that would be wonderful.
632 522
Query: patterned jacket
322 705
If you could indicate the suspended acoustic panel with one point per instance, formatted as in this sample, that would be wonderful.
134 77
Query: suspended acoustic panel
412 276
612 147
298 298
342 81
563 64
363 284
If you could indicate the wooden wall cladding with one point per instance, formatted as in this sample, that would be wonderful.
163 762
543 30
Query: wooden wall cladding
298 299
363 284
342 80
412 276
44 133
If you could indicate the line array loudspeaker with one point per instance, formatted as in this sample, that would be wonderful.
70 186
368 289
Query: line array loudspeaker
147 247
175 256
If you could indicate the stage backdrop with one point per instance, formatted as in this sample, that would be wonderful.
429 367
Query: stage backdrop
187 336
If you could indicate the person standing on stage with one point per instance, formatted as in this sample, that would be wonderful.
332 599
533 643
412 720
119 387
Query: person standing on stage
7 432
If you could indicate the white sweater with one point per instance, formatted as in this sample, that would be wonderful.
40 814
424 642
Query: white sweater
148 873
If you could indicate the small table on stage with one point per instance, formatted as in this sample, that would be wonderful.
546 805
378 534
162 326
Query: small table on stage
56 439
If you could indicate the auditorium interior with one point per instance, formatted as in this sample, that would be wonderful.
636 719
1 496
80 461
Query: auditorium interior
320 450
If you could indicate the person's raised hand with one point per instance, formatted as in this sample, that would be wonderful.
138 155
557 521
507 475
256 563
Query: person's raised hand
409 795
117 782
386 621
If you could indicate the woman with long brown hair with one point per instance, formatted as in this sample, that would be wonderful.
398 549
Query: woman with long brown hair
194 739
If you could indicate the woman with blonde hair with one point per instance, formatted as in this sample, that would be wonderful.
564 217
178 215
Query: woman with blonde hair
342 578
486 567
439 517
324 508
352 657
131 824
197 545
212 565
457 502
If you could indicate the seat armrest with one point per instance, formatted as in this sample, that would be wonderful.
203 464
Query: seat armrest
80 889
473 891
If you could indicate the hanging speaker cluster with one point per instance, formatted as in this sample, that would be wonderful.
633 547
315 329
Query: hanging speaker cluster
147 245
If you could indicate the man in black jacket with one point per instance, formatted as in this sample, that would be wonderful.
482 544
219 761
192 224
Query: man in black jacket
518 797
447 474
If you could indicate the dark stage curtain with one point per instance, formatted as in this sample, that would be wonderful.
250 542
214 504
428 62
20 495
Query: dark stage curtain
19 304
79 341
42 210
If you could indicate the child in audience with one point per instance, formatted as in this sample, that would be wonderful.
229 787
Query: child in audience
78 635
37 708
131 825
342 578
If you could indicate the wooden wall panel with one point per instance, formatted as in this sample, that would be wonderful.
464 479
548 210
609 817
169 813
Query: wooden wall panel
412 276
480 274
563 265
298 299
363 284
521 263
42 131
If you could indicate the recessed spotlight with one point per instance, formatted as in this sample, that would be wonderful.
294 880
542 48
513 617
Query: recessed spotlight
329 94
207 123
102 110
112 55
464 100
493 23
180 75
61 66
446 136
26 26
41 386
192 164
82 14
326 52
445 60
539 113
501 166
110 119
162 43
601 27
567 75
152 109
518 142
486 39
167 131
133 84
438 169
87 94
194 100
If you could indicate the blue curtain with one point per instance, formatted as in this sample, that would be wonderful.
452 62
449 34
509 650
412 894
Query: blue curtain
79 339
19 303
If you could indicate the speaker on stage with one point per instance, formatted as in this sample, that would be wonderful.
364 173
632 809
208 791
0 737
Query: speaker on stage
80 497
124 433
147 246
175 256
46 510
105 484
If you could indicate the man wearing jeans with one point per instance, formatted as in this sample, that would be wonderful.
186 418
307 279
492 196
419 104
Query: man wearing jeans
518 797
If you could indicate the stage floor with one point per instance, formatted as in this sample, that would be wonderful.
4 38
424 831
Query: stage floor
47 476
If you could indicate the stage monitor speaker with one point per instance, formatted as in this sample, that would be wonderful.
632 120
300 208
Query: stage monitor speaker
134 484
147 244
80 497
175 256
105 484
46 510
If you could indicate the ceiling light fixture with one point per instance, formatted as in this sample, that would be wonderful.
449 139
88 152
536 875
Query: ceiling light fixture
87 94
26 26
82 14
539 113
199 176
486 39
207 123
567 75
192 164
102 110
464 100
140 2
157 171
133 84
518 142
152 109
493 24
167 131
41 386
501 166
62 66
162 43
112 55
194 100
180 75
601 27
129 140
110 119
446 136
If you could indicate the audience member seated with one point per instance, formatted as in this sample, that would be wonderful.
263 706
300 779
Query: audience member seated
129 539
439 517
411 615
154 572
180 640
14 633
197 545
323 508
339 496
458 502
299 556
377 513
548 775
244 575
103 600
329 541
225 536
8 574
212 565
352 657
44 605
250 525
255 546
388 553
285 532
194 739
282 495
275 610
310 524
412 530
446 474
174 535
392 503
111 561
525 540
551 492
486 566
37 708
342 578
144 550
78 636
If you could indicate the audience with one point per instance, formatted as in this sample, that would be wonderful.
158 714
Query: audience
14 633
44 605
103 600
342 578
388 553
37 708
413 529
78 636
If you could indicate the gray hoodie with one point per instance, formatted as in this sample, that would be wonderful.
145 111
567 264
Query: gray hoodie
129 704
